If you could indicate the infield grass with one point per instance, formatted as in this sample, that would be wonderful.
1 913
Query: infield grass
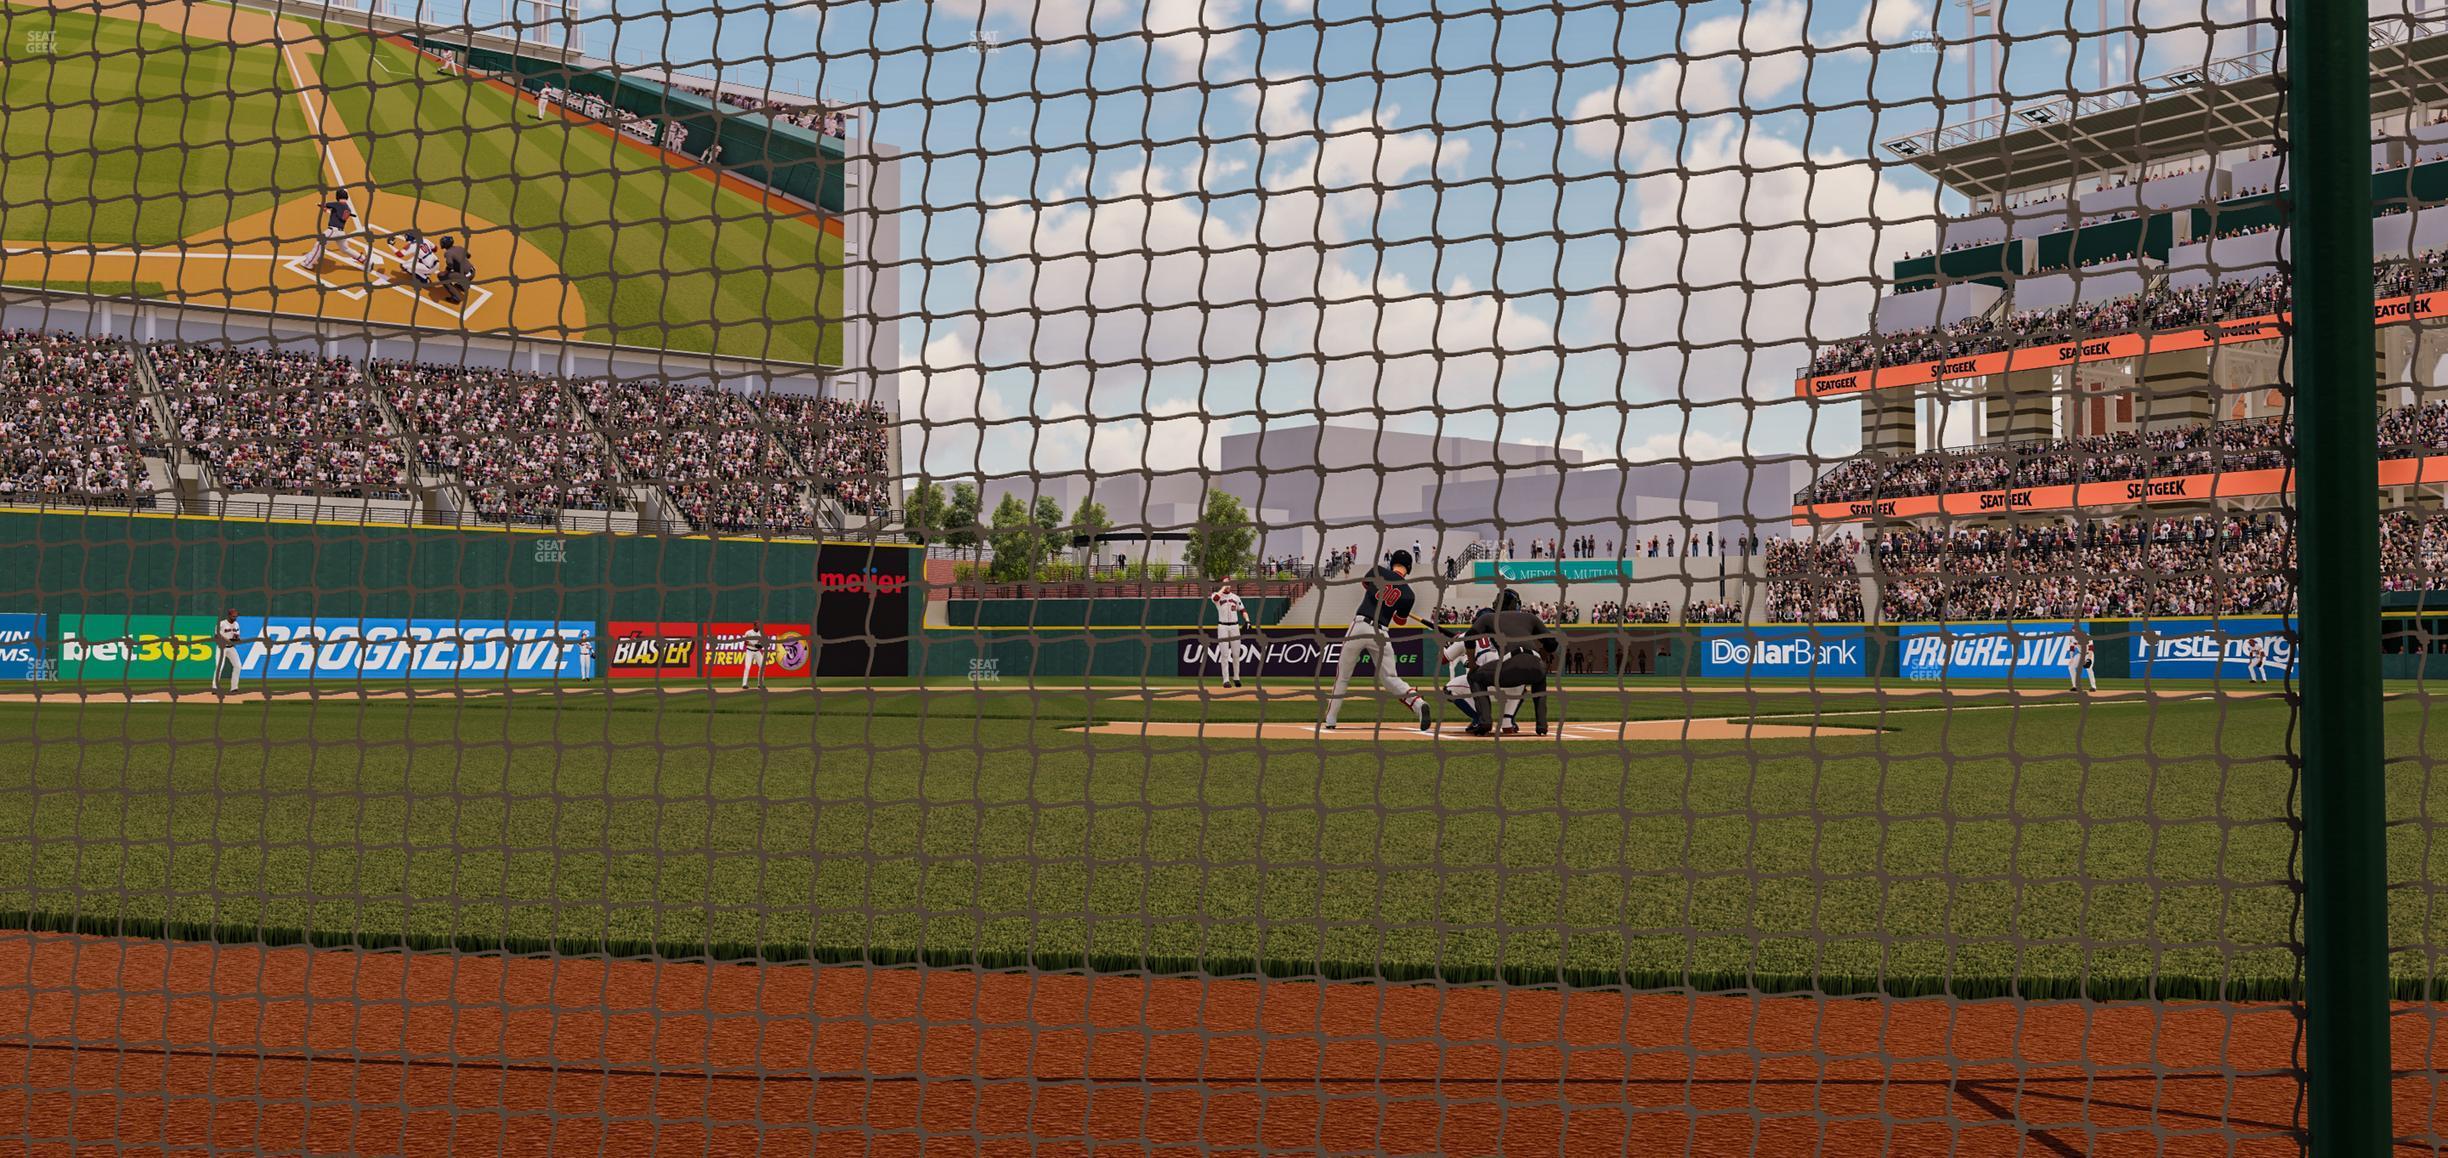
2106 848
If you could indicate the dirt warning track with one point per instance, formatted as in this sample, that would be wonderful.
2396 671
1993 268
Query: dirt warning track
144 1045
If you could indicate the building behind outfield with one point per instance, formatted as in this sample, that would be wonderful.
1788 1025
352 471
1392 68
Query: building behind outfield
1317 487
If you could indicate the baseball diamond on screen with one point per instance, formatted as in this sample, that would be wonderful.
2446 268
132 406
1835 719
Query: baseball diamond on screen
1835 577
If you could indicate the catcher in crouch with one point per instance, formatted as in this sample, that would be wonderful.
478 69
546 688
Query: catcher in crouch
1385 604
1508 648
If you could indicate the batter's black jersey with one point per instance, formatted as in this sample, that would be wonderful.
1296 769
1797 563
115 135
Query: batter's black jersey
1516 633
1385 599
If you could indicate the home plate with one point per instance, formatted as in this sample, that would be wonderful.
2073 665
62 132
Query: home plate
1715 728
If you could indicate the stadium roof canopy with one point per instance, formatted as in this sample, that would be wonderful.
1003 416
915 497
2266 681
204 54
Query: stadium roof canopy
2225 105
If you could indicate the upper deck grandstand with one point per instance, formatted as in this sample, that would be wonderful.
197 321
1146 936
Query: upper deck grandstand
2115 292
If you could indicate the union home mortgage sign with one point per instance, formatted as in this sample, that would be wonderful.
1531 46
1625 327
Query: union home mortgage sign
2389 312
2396 472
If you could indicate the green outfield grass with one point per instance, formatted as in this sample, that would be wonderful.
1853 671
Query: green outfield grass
115 133
2032 848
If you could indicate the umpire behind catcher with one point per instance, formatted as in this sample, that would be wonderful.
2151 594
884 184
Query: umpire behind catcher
1523 644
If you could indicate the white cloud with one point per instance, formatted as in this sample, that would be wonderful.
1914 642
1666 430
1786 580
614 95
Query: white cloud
1746 59
1750 252
1190 33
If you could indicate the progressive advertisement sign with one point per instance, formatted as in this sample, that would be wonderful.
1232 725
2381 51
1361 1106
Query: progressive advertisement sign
1293 653
372 648
135 647
2396 472
1783 652
2390 311
2212 648
1938 651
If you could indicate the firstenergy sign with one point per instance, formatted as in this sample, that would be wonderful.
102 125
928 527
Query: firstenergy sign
2393 311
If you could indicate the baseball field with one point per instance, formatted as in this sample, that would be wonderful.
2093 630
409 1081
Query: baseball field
1977 843
179 150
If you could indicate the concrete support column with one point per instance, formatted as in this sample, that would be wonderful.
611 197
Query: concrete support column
1887 422
2021 406
2175 390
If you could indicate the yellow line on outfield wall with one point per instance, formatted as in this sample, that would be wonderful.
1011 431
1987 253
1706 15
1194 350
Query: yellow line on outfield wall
110 513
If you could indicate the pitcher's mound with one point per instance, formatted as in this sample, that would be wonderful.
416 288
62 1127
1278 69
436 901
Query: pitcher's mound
1716 728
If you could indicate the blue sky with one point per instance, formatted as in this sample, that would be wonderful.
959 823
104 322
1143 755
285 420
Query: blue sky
1145 225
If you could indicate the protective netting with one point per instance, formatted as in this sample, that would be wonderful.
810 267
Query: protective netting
786 578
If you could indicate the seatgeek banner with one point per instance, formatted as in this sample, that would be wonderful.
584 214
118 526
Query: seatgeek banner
2389 311
2396 472
1783 652
412 649
2211 648
1938 651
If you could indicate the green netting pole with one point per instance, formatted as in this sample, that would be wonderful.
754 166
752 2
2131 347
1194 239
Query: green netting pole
2338 552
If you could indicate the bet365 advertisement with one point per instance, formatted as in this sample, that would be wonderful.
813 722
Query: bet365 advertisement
135 648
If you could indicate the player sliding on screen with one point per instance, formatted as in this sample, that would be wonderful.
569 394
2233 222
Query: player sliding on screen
1385 604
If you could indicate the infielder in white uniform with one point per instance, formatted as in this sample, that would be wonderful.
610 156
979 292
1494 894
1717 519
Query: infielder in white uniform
1385 603
2082 663
752 655
225 650
1229 613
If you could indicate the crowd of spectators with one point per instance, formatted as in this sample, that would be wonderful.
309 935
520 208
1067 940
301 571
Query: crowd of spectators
2161 309
1814 580
2194 448
512 439
845 446
710 452
69 422
280 421
2413 552
807 115
2175 566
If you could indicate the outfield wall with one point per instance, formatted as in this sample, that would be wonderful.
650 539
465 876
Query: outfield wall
162 578
2182 648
